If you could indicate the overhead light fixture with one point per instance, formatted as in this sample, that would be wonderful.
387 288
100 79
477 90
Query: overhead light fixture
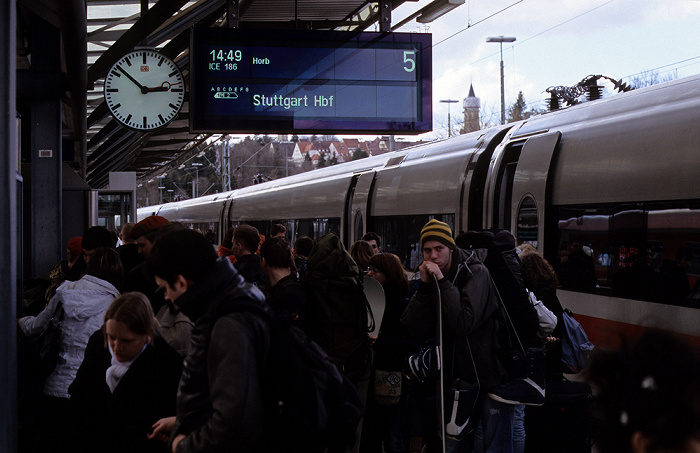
436 9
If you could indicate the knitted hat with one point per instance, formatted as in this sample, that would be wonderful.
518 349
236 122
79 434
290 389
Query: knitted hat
437 231
147 225
75 245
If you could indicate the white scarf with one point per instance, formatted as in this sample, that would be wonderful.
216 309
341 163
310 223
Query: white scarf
118 369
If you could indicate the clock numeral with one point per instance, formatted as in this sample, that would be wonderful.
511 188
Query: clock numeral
128 62
116 106
160 117
176 90
128 118
145 123
161 61
112 90
116 73
173 73
173 106
144 58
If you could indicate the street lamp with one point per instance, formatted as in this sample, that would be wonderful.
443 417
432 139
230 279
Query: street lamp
448 102
161 193
196 166
501 39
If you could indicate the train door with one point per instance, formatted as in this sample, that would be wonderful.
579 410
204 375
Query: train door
225 219
517 192
357 207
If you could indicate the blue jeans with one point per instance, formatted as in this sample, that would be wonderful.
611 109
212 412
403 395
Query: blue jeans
519 429
496 430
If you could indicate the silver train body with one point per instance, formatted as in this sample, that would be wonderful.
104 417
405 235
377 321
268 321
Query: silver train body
620 175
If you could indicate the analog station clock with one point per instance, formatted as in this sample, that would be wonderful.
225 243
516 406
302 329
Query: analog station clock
144 90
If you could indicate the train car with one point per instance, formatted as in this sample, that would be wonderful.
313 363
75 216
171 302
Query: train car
607 190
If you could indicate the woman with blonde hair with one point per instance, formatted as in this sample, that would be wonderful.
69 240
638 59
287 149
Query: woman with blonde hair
127 381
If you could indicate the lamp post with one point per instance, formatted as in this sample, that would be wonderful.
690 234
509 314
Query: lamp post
196 166
449 127
501 39
161 193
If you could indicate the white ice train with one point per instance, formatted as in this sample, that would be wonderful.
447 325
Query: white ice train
619 176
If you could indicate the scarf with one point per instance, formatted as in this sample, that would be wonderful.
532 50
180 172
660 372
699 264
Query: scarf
118 369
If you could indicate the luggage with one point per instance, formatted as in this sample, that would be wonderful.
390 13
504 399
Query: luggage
575 347
339 307
309 405
504 266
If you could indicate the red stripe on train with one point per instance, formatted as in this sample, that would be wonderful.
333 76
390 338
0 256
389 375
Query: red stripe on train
612 334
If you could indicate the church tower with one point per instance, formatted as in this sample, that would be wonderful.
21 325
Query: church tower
471 105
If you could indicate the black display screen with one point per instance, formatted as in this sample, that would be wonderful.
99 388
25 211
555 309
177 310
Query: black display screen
251 81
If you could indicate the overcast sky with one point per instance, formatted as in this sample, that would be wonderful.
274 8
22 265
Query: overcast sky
558 43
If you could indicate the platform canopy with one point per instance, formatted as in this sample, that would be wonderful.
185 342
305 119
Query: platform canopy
96 33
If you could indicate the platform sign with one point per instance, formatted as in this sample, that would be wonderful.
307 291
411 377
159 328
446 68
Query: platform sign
257 81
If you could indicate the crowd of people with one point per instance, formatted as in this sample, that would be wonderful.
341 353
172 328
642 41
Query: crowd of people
163 340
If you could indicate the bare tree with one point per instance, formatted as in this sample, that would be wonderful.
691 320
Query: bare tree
648 78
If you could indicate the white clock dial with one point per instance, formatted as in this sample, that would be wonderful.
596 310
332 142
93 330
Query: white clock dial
144 90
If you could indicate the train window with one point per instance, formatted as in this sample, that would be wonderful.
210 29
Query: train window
401 235
209 229
317 228
646 254
358 227
528 223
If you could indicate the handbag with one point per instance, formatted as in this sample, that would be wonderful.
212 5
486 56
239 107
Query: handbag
45 346
387 387
459 420
547 319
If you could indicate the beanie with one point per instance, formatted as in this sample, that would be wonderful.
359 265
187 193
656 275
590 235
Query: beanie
437 231
75 245
147 225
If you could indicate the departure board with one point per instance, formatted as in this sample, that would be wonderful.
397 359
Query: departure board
259 81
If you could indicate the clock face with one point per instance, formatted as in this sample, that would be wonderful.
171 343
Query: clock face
144 90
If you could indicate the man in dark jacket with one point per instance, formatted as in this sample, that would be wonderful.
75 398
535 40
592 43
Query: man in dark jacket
219 401
470 310
286 293
246 240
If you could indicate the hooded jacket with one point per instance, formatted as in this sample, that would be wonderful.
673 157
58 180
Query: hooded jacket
84 304
470 309
219 401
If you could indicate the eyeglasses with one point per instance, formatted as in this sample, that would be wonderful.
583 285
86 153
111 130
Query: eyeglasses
373 270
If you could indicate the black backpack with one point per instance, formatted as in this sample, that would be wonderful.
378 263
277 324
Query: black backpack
309 405
503 264
339 307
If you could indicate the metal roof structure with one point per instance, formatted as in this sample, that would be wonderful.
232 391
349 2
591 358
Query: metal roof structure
96 33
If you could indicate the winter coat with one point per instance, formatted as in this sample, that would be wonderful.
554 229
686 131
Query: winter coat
288 296
393 345
249 268
140 279
119 421
470 309
175 328
84 303
219 401
548 295
227 252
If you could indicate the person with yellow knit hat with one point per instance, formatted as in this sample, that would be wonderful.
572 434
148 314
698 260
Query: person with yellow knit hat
470 310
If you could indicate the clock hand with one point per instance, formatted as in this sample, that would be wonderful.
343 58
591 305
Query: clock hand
144 89
164 87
